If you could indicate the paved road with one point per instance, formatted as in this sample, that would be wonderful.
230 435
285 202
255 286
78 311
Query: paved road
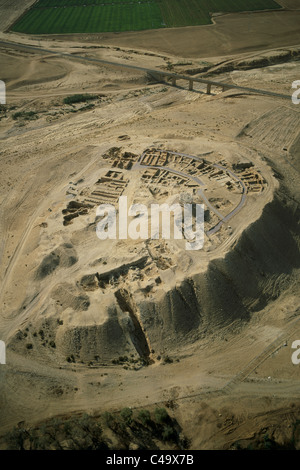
237 208
223 220
154 73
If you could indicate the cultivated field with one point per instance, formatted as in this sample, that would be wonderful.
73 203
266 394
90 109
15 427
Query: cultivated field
92 16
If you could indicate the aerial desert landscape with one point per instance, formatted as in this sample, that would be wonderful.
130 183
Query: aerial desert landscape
142 342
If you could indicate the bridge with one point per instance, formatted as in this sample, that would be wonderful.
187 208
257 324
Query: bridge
173 77
158 75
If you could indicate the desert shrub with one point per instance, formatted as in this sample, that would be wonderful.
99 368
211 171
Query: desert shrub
144 416
168 433
70 358
81 98
126 415
76 433
123 358
87 107
15 439
168 360
161 415
109 419
25 115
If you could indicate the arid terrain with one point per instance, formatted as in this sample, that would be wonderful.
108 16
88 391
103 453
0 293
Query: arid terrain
94 326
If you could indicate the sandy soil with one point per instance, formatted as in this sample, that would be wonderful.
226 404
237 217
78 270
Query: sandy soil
11 11
226 316
231 34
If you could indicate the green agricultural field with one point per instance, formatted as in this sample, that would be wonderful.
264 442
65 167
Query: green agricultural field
94 16
197 12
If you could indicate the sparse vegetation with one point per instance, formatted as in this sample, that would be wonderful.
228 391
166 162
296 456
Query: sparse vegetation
263 441
119 430
183 63
161 415
126 414
77 433
145 417
80 98
26 115
127 361
70 358
168 433
87 107
168 360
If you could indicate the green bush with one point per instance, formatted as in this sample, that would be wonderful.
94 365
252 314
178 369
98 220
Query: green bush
144 416
87 107
28 115
109 419
126 414
161 415
168 433
79 99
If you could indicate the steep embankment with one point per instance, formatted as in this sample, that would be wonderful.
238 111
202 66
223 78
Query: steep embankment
256 271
